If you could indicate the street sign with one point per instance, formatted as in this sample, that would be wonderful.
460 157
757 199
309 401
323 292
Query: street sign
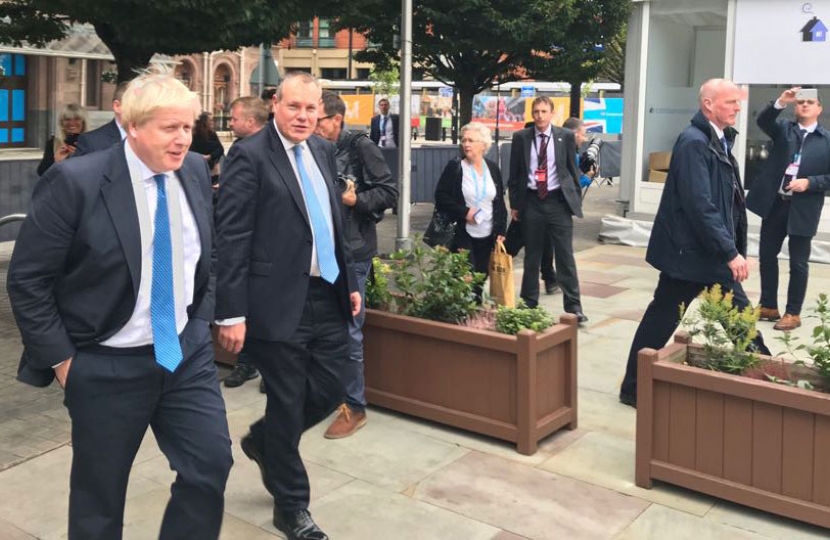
445 91
528 91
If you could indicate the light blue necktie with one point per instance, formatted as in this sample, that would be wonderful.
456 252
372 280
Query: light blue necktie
326 259
383 130
162 304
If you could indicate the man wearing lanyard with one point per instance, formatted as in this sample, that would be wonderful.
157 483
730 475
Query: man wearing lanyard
384 127
789 196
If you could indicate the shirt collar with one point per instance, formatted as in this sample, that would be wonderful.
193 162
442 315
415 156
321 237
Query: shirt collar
809 129
132 159
547 132
718 131
121 130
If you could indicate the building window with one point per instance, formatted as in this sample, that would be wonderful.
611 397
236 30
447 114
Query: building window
325 36
333 73
363 74
13 100
305 33
93 83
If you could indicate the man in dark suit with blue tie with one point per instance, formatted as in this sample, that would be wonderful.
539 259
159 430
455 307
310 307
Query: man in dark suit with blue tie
111 286
286 288
544 197
107 135
384 129
789 197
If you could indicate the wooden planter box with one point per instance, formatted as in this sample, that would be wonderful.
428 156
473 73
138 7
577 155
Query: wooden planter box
752 442
517 388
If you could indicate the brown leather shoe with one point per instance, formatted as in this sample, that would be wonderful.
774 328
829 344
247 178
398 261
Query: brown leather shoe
346 423
769 314
788 322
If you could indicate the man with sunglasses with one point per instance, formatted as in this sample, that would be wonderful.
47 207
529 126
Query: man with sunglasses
789 196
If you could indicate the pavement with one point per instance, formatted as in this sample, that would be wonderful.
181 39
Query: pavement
400 478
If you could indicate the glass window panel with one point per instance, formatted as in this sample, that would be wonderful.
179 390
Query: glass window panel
5 64
18 105
18 135
4 136
19 65
4 105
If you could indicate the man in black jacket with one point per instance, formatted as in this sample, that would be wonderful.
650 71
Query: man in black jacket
368 190
384 129
789 196
699 234
107 135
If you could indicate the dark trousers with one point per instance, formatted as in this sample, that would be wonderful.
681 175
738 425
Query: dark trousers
479 254
773 231
663 316
113 395
547 269
550 222
303 386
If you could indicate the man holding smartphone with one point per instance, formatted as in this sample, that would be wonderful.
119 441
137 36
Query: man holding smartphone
789 196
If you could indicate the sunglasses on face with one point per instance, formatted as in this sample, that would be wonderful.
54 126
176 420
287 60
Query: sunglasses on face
806 101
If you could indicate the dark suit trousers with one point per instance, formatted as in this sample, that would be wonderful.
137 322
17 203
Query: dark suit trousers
550 222
112 396
548 271
773 232
303 383
663 316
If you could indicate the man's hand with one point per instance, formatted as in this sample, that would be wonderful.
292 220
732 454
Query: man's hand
788 96
349 197
356 303
799 185
61 371
232 337
740 268
514 214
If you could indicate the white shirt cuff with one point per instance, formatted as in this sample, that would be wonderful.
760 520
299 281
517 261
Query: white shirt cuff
230 322
778 105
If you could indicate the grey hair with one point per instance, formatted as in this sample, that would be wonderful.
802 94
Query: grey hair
482 130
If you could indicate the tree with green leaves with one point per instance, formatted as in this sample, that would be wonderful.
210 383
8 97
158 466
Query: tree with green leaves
136 30
467 44
386 82
586 46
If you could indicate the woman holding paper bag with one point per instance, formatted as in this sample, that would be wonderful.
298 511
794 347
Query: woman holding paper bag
470 191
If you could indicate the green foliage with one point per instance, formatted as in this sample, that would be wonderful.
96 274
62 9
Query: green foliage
819 351
378 295
134 31
433 284
386 82
727 332
513 320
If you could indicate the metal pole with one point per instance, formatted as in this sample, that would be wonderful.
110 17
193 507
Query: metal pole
498 115
261 79
349 72
404 150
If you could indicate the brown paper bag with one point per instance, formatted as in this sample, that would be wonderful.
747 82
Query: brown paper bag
502 288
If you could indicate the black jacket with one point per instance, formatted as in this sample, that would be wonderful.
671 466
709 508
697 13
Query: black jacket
694 234
449 199
98 139
805 208
374 129
358 156
48 158
76 267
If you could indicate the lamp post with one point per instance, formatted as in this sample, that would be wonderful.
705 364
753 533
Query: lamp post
404 150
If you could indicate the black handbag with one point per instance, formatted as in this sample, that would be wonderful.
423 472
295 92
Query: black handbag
441 230
513 240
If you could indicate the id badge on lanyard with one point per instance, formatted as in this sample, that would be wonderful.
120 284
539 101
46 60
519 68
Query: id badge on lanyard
792 168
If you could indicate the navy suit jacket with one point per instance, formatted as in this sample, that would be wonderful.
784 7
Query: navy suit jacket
264 238
76 266
98 139
374 129
805 207
564 144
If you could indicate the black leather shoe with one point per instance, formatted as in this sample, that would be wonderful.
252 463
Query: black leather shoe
254 453
298 525
551 287
241 374
580 317
628 399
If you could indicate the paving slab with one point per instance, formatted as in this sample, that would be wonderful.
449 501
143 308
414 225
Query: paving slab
661 523
768 525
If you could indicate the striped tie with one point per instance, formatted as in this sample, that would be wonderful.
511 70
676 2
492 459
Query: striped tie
162 304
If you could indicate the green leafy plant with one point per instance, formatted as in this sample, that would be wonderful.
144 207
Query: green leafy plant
819 351
727 331
513 320
378 295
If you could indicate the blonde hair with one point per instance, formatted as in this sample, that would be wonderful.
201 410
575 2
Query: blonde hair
483 132
70 111
152 91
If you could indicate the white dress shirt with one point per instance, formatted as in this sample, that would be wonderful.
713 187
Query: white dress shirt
387 135
187 249
553 177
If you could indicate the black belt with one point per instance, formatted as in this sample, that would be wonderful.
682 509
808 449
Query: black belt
557 191
142 350
785 198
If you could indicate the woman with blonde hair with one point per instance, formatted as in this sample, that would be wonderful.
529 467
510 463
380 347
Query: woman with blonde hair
62 145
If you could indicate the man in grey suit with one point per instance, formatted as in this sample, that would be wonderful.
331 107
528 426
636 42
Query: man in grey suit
544 196
286 288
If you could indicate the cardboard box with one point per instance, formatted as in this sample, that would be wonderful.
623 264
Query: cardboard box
658 176
659 161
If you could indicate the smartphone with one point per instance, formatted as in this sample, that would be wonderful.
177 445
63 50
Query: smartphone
806 93
71 139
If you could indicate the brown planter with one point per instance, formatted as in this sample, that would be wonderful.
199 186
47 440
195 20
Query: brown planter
517 388
752 442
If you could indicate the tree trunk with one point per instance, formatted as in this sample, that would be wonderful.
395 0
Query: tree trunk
576 99
129 61
465 113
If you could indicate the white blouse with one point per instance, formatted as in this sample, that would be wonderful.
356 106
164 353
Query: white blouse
479 190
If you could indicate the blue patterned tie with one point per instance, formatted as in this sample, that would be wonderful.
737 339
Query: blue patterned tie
162 304
326 260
